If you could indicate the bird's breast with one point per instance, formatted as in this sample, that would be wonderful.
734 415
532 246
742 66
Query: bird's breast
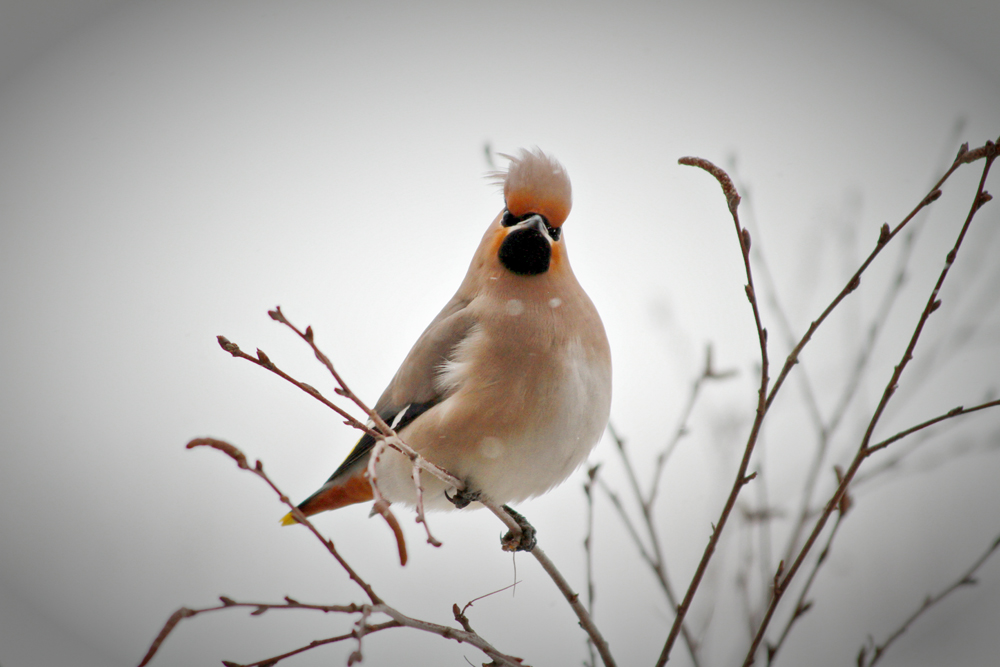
528 397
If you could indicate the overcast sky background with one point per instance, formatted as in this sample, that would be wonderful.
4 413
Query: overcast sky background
170 171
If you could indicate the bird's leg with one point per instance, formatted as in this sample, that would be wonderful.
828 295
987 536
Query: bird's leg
463 497
520 539
526 540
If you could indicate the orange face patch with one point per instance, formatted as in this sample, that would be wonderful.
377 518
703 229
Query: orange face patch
523 202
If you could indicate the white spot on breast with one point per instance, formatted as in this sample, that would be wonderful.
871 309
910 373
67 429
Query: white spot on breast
514 307
555 302
491 447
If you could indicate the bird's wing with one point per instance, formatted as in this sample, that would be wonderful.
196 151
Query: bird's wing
414 389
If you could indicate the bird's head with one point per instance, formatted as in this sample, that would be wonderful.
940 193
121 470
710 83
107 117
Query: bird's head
538 197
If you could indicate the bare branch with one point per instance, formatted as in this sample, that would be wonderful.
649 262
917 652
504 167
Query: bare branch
265 362
733 199
803 604
383 434
574 601
656 560
486 595
588 552
955 412
966 579
885 235
980 198
384 430
386 436
398 620
316 643
376 606
258 469
708 374
258 607
461 636
573 598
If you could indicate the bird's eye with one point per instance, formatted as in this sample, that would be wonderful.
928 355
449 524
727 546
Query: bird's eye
509 220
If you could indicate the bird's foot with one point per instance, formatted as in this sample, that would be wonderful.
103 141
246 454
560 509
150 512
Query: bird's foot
463 498
525 541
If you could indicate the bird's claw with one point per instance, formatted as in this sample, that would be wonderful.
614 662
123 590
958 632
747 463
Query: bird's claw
526 540
463 498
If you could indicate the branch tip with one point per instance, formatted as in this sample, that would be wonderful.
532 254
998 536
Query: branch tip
962 150
732 197
884 234
228 346
982 199
222 446
932 196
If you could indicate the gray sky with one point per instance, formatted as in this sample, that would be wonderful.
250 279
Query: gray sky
172 170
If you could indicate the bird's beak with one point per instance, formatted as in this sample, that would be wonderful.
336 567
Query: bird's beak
537 222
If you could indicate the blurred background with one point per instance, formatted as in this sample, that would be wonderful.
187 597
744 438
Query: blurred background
170 171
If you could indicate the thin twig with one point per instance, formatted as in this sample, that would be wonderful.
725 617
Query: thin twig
268 662
630 526
486 595
588 553
803 605
377 604
964 156
258 469
764 523
316 643
461 636
966 579
708 374
388 437
383 434
656 559
955 412
421 515
876 471
259 608
265 362
384 430
808 393
733 200
782 582
574 601
586 622
827 428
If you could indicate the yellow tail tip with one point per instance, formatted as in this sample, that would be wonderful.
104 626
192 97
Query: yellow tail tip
288 520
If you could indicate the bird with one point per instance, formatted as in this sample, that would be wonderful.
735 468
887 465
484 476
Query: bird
509 387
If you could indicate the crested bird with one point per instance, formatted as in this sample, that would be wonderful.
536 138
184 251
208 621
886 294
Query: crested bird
509 387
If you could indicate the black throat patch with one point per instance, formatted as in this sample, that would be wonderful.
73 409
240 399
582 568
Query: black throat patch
526 252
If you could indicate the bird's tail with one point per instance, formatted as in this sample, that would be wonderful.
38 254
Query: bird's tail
333 495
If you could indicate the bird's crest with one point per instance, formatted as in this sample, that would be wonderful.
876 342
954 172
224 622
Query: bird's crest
536 183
